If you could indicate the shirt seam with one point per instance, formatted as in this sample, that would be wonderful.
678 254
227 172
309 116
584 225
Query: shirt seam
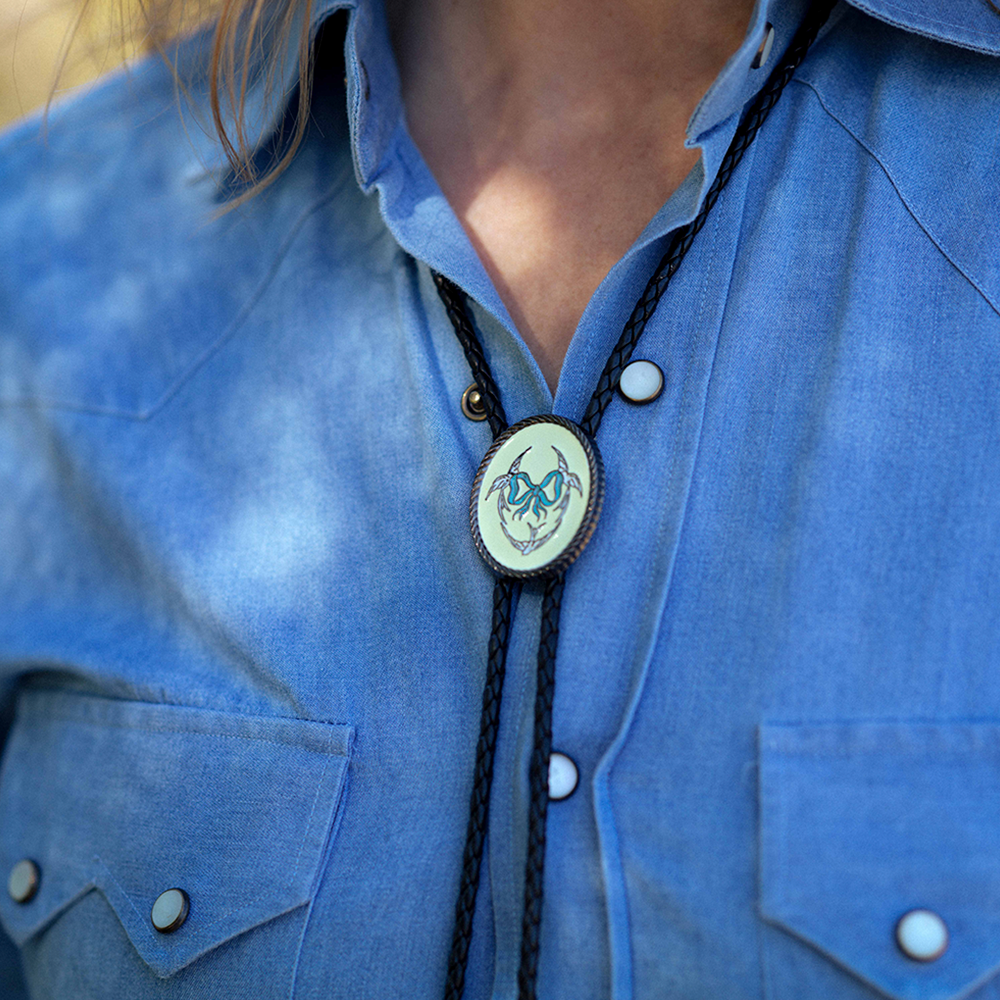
332 752
922 225
200 360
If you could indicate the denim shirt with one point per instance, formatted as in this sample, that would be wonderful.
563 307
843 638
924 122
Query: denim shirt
243 623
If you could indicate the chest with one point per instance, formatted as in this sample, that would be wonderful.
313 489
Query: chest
792 588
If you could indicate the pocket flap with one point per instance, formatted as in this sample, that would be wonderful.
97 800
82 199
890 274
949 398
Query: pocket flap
134 798
861 823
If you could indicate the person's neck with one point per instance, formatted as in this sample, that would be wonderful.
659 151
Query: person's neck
555 129
492 54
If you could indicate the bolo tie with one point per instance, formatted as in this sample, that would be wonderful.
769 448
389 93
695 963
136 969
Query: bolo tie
536 500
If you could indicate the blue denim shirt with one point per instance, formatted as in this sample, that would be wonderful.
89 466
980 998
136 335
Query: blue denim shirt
243 623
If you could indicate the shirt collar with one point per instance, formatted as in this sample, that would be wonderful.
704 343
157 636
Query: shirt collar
268 106
967 25
419 217
373 86
739 80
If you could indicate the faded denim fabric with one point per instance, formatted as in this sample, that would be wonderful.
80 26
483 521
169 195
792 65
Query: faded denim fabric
243 624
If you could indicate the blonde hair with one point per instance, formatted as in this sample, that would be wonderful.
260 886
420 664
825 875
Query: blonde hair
250 38
251 41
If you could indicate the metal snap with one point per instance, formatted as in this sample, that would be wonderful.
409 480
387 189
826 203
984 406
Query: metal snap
641 382
563 776
23 882
170 910
472 403
922 935
764 52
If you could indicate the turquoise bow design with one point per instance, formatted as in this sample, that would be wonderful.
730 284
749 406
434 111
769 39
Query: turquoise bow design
522 496
534 497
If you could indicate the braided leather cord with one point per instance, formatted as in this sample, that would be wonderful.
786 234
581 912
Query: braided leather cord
682 240
454 301
479 805
531 923
489 720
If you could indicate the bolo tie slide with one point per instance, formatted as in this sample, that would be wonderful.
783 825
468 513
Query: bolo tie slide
536 500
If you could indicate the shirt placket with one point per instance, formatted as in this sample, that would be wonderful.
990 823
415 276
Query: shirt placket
616 592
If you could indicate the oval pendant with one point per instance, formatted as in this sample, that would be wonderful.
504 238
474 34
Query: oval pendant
537 497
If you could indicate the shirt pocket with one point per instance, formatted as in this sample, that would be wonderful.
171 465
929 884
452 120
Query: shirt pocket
132 799
863 823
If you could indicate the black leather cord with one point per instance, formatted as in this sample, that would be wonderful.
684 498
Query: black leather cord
479 806
489 719
531 923
454 301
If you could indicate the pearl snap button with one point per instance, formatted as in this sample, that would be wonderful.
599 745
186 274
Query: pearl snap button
764 52
922 935
563 776
170 910
23 881
641 382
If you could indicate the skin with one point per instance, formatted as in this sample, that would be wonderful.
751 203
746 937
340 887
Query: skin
555 129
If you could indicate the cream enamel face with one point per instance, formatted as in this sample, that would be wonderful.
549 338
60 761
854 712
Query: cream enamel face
536 497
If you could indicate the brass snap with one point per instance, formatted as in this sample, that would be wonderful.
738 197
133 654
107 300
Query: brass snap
472 403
